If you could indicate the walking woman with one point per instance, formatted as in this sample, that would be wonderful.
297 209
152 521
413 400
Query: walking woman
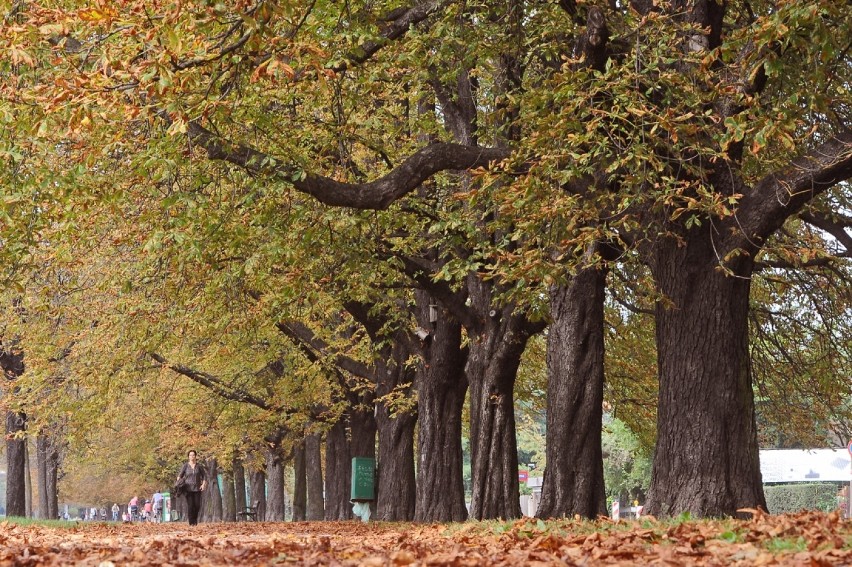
195 480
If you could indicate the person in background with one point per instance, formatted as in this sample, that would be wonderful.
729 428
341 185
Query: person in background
157 499
133 508
195 480
115 511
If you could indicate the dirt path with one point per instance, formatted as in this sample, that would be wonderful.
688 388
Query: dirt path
805 539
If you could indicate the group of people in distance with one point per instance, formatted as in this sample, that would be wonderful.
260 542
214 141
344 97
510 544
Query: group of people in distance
151 510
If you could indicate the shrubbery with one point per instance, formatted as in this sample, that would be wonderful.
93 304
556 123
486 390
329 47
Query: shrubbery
783 498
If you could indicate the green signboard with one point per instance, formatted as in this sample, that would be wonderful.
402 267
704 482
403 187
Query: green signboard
363 479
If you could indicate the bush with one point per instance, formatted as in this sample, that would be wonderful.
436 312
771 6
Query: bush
782 498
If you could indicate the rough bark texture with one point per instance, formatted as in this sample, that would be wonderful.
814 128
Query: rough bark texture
16 489
211 506
498 339
47 459
396 494
239 484
275 505
300 487
229 510
258 492
41 475
312 471
441 388
573 478
706 460
340 448
337 470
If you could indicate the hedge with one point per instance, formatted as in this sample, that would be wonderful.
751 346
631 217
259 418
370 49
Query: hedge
781 498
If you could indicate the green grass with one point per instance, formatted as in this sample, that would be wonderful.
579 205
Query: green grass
778 545
47 523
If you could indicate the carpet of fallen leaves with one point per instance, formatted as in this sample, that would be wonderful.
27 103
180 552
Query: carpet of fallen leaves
808 538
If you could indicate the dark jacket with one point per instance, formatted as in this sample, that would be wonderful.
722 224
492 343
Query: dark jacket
193 478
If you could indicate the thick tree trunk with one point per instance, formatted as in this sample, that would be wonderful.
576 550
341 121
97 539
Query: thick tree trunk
312 471
258 493
492 367
16 488
706 460
239 484
396 494
441 388
275 505
395 486
300 487
229 510
573 478
340 448
337 471
212 496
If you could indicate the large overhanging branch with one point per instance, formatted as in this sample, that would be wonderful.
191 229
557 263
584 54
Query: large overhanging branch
213 383
378 194
832 227
783 193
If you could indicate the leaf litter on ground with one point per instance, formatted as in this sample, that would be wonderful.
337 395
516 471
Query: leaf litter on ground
804 539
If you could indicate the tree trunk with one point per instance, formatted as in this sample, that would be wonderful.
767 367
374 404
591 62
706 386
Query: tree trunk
492 367
212 505
573 477
42 447
239 484
274 485
258 493
395 486
706 460
28 480
300 488
337 470
16 489
229 511
441 387
312 469
52 482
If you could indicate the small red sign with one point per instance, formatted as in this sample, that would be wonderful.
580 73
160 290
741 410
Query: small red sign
523 476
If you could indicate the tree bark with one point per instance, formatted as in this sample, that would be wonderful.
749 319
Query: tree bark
258 493
239 484
212 504
229 511
300 488
16 490
574 477
42 448
441 388
706 460
339 450
337 470
497 342
275 506
312 471
395 485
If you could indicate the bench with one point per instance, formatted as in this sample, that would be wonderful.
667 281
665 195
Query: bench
249 514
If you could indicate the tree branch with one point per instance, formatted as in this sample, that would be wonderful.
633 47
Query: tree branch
315 348
783 193
213 383
377 194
